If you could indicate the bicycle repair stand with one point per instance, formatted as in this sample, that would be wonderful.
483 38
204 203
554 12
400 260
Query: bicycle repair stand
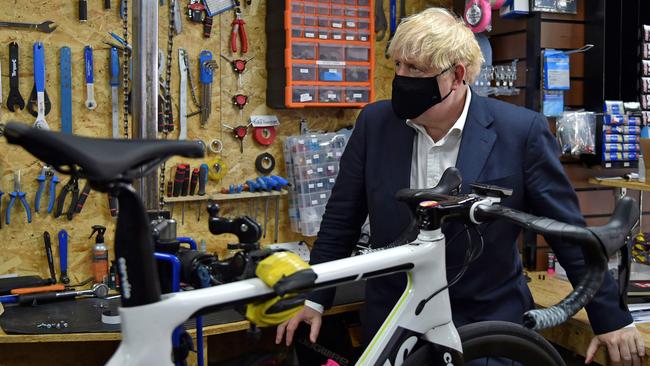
164 233
178 339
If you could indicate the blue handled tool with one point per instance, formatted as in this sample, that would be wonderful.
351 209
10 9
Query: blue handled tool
207 65
115 84
63 256
272 183
47 174
281 181
17 193
39 83
90 82
66 90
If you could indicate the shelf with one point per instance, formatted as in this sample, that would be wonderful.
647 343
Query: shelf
225 196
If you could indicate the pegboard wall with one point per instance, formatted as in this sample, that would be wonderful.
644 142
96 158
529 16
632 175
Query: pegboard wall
22 250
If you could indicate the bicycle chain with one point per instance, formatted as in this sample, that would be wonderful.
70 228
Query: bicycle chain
125 69
168 106
195 100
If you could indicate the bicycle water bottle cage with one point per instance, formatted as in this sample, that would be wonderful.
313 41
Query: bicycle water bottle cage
245 228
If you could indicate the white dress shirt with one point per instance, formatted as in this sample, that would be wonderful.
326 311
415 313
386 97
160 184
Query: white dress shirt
429 159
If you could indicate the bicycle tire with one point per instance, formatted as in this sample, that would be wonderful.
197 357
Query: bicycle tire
496 339
508 340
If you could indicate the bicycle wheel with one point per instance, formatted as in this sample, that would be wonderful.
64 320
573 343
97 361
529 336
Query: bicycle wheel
495 343
507 341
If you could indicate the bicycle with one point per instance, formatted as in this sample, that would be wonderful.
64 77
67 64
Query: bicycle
418 331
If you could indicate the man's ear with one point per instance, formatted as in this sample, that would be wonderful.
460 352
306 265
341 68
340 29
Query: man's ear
459 75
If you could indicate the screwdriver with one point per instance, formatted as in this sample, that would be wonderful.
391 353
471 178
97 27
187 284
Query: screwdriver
203 180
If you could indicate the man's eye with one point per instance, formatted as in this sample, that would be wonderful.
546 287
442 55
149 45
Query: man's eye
414 69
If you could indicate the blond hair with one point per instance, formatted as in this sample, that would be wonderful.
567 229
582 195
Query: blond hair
439 39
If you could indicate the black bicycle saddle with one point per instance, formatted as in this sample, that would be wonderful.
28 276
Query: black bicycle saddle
101 161
449 184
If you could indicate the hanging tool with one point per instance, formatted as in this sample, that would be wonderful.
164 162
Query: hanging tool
39 82
90 86
1 194
112 205
71 187
239 132
393 23
240 100
194 180
203 180
238 66
182 103
99 290
1 92
66 90
207 65
165 115
190 77
82 198
115 84
17 193
178 19
14 99
47 174
380 20
45 27
48 253
83 10
170 191
238 30
195 11
63 256
207 26
185 189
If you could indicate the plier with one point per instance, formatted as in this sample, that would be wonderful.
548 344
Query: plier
17 193
238 29
47 174
71 186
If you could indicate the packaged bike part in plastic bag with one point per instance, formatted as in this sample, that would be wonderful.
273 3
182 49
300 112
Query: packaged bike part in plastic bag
576 133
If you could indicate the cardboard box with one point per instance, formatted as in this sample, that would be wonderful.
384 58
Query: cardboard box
645 150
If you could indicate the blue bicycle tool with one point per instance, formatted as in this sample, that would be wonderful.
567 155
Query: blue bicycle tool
66 90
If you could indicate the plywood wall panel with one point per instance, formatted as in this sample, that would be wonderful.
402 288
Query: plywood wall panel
22 246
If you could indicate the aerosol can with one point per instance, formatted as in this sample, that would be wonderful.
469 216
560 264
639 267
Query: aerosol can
100 255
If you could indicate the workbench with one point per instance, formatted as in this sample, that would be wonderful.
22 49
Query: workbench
576 333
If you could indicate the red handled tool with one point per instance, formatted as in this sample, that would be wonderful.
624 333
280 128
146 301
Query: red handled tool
238 66
238 30
194 180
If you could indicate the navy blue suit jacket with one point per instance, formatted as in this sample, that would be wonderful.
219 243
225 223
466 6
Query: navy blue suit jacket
501 144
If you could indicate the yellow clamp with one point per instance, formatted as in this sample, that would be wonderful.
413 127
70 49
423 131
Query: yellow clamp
271 270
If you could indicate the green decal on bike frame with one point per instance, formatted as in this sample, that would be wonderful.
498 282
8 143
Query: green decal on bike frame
388 320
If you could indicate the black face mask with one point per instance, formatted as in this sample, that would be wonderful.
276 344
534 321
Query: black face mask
414 96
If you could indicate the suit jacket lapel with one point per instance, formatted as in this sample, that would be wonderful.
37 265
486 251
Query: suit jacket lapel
399 173
476 143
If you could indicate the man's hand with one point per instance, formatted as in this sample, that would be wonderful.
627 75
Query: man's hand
625 346
307 315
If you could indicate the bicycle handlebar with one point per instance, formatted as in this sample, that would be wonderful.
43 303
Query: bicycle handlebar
595 243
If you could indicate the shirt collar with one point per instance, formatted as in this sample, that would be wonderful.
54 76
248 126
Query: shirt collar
457 127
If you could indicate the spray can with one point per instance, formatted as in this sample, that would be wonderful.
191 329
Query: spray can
550 269
100 255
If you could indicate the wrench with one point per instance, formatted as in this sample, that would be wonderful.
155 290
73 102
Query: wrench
90 86
42 27
182 110
15 99
39 82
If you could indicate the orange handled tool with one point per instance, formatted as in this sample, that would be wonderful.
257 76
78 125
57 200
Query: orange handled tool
34 290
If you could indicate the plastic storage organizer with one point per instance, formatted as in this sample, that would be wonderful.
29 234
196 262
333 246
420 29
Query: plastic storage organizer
320 53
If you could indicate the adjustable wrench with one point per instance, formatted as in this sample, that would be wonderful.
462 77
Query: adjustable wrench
14 99
183 94
39 81
90 86
115 84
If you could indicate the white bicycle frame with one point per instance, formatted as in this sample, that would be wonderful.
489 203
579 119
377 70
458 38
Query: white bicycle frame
147 329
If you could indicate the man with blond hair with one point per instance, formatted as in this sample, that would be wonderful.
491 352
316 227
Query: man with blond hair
433 122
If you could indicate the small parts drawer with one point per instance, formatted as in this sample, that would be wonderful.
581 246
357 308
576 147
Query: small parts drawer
300 72
303 51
